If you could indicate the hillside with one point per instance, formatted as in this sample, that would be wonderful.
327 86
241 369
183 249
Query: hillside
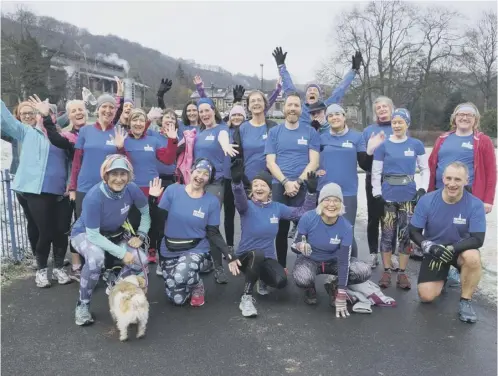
145 64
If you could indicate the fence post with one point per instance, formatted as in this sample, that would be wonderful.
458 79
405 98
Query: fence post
10 209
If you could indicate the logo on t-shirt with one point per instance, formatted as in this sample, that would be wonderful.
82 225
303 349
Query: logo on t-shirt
148 148
125 209
198 213
265 136
302 141
347 144
210 138
335 240
273 219
409 153
460 220
467 145
109 142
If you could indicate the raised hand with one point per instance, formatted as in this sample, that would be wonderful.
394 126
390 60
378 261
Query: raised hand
357 60
312 182
375 141
279 56
155 188
171 131
198 81
164 86
120 85
120 135
154 114
41 106
238 93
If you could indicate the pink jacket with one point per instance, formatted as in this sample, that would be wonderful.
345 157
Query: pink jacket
186 158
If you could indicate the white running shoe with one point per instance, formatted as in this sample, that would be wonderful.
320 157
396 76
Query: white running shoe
41 278
60 276
374 260
247 306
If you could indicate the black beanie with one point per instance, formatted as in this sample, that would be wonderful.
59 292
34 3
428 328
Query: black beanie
265 176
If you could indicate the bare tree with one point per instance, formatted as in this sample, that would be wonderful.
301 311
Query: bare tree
478 54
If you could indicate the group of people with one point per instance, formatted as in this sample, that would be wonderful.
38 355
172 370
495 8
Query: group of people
149 187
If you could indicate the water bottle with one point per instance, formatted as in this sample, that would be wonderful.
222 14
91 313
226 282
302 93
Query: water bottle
89 97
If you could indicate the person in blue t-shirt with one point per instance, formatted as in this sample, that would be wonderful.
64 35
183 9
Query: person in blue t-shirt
450 225
213 143
393 185
99 229
323 244
259 218
292 150
341 150
191 229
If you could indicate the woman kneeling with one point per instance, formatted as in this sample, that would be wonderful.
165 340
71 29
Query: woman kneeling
324 238
99 228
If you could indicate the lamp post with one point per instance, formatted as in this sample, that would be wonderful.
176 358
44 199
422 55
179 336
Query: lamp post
212 90
261 76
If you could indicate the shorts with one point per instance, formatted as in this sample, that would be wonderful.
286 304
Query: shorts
427 275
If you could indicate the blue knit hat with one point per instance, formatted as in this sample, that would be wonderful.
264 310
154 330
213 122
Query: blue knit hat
203 164
208 101
402 113
314 85
128 100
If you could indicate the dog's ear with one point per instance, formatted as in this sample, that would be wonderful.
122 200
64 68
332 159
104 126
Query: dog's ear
141 282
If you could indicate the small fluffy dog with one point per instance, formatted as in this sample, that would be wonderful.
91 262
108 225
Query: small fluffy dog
128 305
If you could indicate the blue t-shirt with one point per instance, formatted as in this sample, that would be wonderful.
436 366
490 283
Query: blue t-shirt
207 146
188 218
260 227
455 148
100 211
291 148
55 178
445 223
253 147
399 159
96 145
338 157
142 155
325 240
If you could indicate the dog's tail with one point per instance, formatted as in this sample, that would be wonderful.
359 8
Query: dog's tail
133 302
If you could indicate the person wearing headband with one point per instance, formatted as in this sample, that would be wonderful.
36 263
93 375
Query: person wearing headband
393 186
259 216
323 244
189 218
99 229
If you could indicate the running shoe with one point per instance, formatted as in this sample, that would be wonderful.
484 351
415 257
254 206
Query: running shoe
32 264
310 296
75 274
261 288
66 262
385 280
403 282
467 313
453 277
151 257
247 306
220 275
41 278
197 299
82 315
60 275
374 260
207 266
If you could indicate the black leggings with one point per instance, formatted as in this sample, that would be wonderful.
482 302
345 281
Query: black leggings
255 266
51 215
229 210
31 226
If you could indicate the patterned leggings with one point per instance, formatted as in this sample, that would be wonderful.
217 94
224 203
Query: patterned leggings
94 262
397 216
181 275
305 270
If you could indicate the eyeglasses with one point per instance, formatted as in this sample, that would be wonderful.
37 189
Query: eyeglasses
24 114
470 116
331 200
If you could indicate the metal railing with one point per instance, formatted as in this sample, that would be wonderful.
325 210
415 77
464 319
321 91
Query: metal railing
13 231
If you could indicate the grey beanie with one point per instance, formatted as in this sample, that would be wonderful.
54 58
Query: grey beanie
333 108
330 189
105 98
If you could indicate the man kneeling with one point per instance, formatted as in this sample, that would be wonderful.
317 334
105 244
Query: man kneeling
453 224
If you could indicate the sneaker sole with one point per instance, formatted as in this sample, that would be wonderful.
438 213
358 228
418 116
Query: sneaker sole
84 323
46 286
253 314
403 287
220 282
263 293
468 321
197 305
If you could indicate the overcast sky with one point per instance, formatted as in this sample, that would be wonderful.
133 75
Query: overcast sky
238 36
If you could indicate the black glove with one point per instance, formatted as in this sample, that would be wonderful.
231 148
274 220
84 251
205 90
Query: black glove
164 87
237 171
316 124
279 56
357 59
312 182
438 251
418 195
238 93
